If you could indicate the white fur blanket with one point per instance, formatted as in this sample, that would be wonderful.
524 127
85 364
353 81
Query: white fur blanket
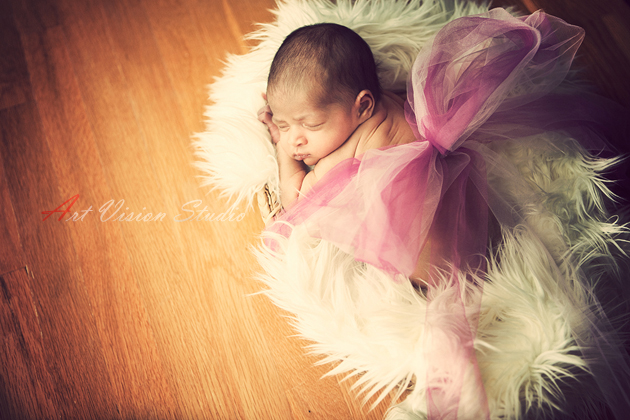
367 325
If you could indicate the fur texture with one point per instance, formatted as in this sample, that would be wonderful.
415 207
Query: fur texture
541 276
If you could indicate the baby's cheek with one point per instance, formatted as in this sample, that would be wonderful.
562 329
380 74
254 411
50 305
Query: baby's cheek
284 145
331 141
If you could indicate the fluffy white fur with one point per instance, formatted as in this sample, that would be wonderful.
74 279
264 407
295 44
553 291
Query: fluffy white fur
372 328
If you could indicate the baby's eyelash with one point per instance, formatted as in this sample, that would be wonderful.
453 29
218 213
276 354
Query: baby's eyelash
313 126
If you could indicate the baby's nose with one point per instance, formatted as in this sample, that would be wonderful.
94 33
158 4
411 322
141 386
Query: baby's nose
298 139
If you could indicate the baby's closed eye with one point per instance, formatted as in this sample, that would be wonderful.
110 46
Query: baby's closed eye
313 126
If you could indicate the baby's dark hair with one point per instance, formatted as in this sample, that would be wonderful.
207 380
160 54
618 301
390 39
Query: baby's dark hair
335 57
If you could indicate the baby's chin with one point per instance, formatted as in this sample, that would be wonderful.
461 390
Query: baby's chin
306 158
310 160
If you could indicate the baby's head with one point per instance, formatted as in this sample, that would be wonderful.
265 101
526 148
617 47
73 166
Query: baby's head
322 85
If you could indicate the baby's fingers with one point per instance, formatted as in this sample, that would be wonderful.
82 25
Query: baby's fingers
264 116
273 130
264 113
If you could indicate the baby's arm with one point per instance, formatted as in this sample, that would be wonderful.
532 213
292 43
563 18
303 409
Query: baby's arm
292 172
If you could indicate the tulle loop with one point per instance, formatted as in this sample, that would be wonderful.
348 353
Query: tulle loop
484 62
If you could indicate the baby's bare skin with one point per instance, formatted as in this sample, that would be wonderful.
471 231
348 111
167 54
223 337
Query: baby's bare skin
386 127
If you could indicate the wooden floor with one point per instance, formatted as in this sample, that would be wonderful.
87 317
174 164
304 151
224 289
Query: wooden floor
108 319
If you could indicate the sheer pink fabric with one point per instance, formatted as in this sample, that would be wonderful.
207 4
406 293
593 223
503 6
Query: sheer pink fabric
482 78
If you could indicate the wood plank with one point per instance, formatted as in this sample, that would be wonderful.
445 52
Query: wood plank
619 31
35 15
245 15
133 111
26 386
11 253
191 64
248 366
602 51
14 84
121 318
73 351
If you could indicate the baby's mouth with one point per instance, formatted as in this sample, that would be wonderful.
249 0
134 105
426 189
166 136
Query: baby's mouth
300 156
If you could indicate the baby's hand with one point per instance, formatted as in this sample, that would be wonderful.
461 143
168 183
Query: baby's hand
264 116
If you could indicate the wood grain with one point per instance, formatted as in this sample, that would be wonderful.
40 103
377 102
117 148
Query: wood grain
12 255
604 53
23 368
114 294
73 351
105 319
14 84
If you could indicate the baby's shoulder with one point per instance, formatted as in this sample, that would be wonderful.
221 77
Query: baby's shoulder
395 99
387 126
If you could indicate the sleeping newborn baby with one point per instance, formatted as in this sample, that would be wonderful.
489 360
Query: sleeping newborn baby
325 105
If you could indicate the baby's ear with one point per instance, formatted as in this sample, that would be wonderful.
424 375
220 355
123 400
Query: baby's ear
364 104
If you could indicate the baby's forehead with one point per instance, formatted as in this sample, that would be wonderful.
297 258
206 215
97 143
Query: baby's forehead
302 87
308 93
292 108
293 97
